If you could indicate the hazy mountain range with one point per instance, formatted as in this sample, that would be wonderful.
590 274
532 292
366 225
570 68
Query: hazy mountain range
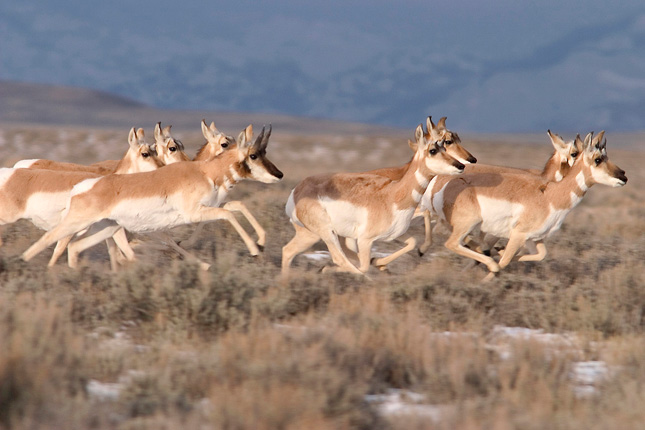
586 75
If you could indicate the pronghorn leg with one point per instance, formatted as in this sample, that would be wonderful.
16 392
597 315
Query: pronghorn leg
455 244
66 227
76 247
114 253
351 245
197 232
515 242
381 263
121 240
302 241
237 206
537 251
207 213
365 253
427 222
58 250
165 238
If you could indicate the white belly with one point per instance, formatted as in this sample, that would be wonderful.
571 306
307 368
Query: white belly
551 224
149 214
347 219
400 224
498 216
45 210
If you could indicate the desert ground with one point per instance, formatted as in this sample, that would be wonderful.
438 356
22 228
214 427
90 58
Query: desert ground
163 344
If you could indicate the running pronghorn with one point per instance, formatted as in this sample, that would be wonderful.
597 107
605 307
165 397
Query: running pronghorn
140 157
180 193
434 133
363 207
563 157
168 150
42 195
519 207
216 143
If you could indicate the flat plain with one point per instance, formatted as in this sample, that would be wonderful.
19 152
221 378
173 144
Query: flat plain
162 344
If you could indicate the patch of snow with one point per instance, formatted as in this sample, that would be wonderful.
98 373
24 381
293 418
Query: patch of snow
404 402
317 255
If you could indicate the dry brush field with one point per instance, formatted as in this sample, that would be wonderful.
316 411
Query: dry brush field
161 344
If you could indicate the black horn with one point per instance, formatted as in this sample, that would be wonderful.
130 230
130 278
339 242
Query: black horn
265 139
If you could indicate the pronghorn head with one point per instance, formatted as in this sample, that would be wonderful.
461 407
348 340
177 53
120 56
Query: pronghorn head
449 139
435 156
601 169
565 152
216 142
169 149
253 156
141 157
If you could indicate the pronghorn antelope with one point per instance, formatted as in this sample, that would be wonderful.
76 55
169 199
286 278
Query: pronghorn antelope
180 193
168 150
362 207
563 157
216 143
41 195
519 207
138 158
435 133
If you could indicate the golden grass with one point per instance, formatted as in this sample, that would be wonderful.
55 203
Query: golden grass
234 349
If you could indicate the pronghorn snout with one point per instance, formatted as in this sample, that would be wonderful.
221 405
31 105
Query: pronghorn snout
620 175
459 166
471 159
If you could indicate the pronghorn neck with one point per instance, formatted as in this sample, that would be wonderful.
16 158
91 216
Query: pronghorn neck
411 187
226 169
554 169
567 193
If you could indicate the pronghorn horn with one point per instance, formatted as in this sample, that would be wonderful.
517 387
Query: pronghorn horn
442 122
265 139
260 138
599 137
604 144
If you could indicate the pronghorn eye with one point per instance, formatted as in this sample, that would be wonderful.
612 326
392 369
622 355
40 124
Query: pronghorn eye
145 154
253 156
224 145
172 149
574 154
433 151
448 142
598 161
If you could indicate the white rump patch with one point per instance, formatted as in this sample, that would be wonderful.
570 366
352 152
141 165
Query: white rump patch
290 209
84 186
25 164
45 210
5 174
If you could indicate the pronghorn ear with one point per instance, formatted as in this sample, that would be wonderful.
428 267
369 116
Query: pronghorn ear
429 124
418 134
133 140
587 144
157 132
205 131
442 122
558 143
598 139
166 131
249 132
413 145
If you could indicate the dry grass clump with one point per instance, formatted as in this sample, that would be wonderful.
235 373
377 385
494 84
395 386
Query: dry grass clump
162 344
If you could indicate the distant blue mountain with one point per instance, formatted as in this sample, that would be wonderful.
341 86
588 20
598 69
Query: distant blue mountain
587 76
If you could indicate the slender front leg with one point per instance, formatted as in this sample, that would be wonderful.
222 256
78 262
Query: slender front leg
207 213
537 249
427 222
381 263
165 238
237 206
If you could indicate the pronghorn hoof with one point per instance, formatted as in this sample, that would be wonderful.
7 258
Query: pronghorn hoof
420 252
383 269
261 247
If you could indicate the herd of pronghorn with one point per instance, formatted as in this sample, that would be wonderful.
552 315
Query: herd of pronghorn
156 186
